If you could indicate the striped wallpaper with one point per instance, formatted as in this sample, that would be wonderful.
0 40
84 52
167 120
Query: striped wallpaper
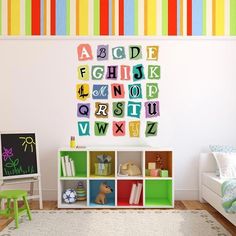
118 17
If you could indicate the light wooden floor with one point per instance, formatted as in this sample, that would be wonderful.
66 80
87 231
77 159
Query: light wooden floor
179 205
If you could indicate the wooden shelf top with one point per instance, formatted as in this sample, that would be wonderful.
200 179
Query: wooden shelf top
115 148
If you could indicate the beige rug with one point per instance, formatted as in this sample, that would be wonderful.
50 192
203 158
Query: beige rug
117 222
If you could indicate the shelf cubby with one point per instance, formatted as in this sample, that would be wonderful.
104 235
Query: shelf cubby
166 158
135 157
93 159
80 162
123 192
94 188
72 184
158 193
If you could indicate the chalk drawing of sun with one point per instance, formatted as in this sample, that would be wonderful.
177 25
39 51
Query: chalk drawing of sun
28 141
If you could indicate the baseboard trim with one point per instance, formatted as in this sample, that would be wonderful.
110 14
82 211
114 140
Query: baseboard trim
186 194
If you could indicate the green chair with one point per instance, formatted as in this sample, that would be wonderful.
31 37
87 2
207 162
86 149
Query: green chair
15 195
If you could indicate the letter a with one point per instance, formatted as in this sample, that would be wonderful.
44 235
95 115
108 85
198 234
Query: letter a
84 52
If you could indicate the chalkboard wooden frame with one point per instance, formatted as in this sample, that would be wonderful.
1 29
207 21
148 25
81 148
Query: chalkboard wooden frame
2 177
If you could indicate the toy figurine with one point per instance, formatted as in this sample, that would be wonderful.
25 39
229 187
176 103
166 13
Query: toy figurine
159 162
129 169
81 192
103 190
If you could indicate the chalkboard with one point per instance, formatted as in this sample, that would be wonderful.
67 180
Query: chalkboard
19 154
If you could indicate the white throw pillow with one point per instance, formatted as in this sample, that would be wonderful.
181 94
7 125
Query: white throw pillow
226 163
222 149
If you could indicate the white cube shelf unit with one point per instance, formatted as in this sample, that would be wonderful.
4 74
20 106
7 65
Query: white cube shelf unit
157 191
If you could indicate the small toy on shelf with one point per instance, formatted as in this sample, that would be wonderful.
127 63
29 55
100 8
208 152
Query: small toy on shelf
159 162
129 169
147 172
103 166
69 196
103 190
151 165
72 142
81 192
154 172
164 173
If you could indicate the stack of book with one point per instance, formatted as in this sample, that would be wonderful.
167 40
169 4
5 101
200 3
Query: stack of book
68 166
135 193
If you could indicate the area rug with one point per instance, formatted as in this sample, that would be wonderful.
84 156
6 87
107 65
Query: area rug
117 222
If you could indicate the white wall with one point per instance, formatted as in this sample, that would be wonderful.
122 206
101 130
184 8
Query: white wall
197 95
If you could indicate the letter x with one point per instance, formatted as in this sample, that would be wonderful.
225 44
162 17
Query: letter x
119 128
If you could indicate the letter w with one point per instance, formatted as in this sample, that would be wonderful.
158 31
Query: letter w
102 127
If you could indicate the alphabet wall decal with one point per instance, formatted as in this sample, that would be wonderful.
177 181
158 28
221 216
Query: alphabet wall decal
117 90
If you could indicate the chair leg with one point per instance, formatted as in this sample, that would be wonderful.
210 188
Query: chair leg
27 208
2 204
16 213
8 206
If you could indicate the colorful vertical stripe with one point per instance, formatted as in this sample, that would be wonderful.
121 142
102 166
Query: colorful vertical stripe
164 17
121 17
136 8
181 19
178 17
83 27
14 17
172 17
53 17
189 17
218 13
0 17
204 17
28 17
96 17
104 17
197 17
35 16
61 17
118 17
42 17
150 17
129 17
232 17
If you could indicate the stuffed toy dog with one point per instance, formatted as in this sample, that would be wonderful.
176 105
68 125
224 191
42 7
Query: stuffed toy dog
103 190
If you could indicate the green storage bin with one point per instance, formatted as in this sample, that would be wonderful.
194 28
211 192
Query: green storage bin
103 169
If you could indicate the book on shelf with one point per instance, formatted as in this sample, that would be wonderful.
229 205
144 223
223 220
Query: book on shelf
138 193
132 194
135 193
68 166
72 165
63 166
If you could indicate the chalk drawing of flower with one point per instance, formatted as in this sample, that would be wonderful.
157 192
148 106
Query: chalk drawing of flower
7 153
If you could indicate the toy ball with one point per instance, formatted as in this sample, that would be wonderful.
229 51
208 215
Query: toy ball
69 196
